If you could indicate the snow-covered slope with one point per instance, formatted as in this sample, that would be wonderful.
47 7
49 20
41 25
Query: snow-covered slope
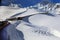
38 20
51 8
47 21
6 12
32 33
47 24
56 9
29 12
44 20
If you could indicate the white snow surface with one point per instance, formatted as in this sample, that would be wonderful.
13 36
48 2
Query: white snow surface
57 11
38 19
7 12
45 20
29 12
29 33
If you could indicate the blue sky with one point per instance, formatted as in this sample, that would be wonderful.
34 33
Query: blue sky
26 3
56 1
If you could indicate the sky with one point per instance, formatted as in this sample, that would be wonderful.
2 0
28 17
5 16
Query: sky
26 3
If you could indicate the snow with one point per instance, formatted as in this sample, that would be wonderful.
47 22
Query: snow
52 22
29 33
45 20
56 33
37 22
56 9
29 12
7 12
11 32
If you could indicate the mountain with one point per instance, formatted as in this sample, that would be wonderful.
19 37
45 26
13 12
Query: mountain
26 3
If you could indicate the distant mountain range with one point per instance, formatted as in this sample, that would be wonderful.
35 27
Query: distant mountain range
26 3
